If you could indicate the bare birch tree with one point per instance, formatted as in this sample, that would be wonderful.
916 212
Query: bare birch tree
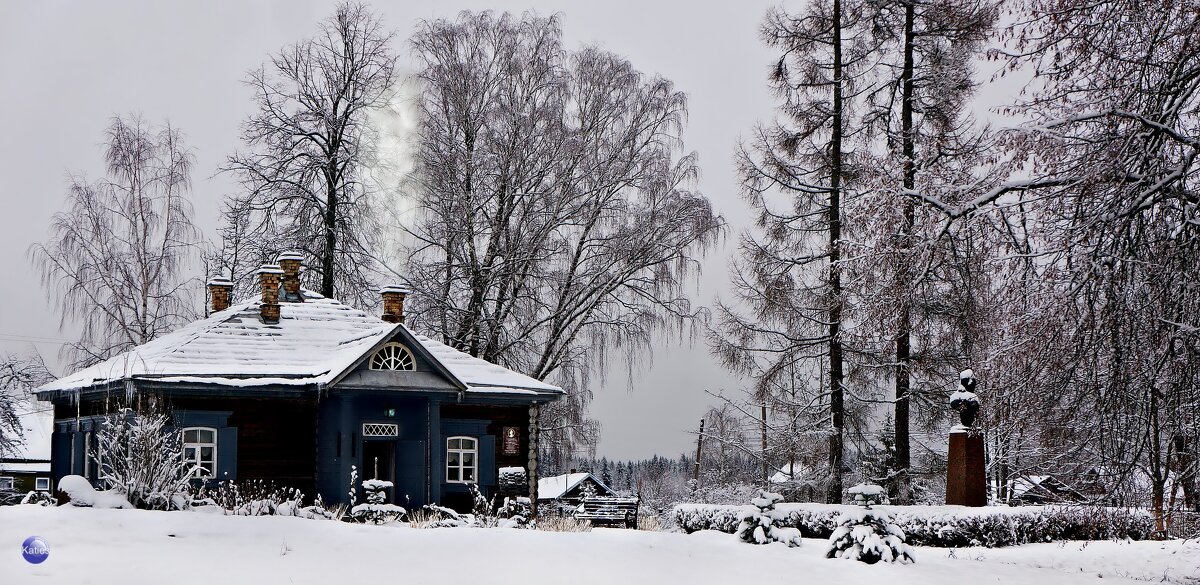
556 216
308 147
116 263
18 375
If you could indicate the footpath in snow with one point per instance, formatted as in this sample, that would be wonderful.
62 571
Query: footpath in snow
130 547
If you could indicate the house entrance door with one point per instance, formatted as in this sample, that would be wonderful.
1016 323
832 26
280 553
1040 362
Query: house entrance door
379 462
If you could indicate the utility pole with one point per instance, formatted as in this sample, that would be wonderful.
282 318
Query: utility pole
766 473
696 467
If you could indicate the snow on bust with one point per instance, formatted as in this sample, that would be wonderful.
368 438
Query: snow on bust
82 494
965 401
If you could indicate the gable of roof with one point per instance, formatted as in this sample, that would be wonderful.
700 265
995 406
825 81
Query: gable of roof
314 343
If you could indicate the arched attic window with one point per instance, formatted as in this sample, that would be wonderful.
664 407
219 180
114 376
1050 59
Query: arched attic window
393 356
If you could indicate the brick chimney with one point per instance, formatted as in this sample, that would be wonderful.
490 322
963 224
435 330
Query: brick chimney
393 302
220 289
269 275
290 262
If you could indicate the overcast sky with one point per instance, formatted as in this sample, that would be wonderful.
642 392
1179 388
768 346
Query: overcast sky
68 67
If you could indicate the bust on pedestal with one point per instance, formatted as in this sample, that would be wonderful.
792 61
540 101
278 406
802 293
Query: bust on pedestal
965 480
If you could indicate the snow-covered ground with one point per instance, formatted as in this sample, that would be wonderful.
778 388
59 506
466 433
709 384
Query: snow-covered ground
129 547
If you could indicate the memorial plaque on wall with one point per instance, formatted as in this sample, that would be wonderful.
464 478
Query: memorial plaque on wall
512 441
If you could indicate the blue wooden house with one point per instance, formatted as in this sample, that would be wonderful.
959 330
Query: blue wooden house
297 389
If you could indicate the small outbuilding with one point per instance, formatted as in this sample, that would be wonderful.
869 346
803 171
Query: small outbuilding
570 489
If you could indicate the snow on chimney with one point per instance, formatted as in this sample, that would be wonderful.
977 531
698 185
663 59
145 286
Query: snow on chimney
290 262
219 290
393 302
269 275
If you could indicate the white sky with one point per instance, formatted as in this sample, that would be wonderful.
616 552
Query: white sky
66 68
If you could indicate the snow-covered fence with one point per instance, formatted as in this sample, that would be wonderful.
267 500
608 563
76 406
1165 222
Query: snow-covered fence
944 526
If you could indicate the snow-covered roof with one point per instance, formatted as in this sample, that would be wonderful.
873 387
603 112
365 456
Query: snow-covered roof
550 488
789 473
313 343
33 452
481 375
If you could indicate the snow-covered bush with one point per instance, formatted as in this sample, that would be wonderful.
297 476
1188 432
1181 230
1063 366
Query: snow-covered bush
758 526
39 499
867 494
514 513
376 510
867 534
78 491
944 526
434 516
481 509
255 497
141 456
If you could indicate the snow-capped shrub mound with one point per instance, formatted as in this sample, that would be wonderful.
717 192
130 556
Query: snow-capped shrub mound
79 492
39 499
868 494
514 513
943 526
255 497
869 536
759 526
376 510
435 516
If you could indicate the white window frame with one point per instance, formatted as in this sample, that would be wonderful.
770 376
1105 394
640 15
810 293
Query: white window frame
41 484
10 481
198 446
462 451
393 357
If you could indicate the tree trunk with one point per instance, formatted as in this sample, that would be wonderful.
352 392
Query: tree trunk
836 407
327 256
904 324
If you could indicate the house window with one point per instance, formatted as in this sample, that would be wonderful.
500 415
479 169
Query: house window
200 449
393 356
42 484
6 484
462 460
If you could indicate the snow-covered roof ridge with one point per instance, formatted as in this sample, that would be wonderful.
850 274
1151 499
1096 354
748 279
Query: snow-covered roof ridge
314 342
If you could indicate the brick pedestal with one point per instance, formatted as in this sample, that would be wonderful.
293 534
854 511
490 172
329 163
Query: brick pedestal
965 481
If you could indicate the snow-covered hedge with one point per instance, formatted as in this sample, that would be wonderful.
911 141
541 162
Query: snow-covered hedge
945 526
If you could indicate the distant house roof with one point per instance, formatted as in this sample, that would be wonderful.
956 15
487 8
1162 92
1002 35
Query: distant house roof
788 473
552 488
33 451
313 343
1039 488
